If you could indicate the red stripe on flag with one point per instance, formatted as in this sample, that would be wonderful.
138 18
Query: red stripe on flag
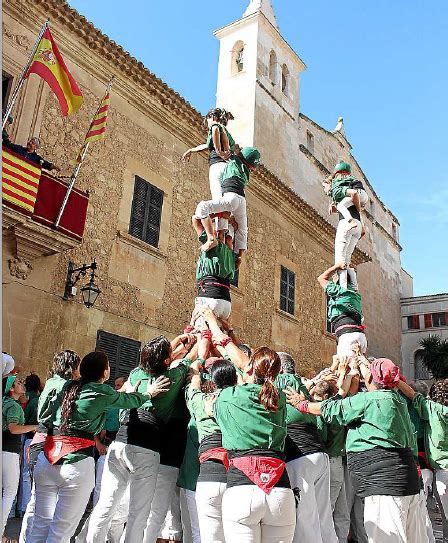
95 132
20 177
6 160
97 121
44 72
18 197
102 109
19 187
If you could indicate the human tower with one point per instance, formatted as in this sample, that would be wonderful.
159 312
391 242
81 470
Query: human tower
212 441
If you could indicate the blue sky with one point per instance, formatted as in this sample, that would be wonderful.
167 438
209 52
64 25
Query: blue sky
382 65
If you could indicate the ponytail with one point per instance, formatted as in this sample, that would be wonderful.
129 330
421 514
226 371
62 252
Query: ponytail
266 364
92 369
269 396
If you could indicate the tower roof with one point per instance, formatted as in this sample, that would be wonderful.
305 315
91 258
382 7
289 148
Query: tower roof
264 7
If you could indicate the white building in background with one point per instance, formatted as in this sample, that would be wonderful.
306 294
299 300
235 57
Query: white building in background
420 317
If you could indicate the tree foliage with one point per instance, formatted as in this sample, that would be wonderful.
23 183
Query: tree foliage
435 355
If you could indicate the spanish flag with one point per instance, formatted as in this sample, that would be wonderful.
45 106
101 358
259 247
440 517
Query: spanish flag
49 64
97 128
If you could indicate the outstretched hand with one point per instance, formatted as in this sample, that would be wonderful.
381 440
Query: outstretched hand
160 385
293 397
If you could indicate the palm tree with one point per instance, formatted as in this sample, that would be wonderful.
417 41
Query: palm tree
435 355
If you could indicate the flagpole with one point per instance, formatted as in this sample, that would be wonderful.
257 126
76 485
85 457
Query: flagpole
78 166
23 74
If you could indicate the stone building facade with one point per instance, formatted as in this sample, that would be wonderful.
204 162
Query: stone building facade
148 290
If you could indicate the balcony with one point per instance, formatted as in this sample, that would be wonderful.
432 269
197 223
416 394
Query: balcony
31 201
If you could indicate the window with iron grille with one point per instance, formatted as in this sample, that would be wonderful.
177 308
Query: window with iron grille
439 319
146 212
123 353
287 290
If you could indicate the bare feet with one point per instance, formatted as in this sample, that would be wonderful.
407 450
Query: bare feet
211 243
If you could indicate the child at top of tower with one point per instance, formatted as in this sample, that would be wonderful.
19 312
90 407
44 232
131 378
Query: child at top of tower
346 191
220 145
234 181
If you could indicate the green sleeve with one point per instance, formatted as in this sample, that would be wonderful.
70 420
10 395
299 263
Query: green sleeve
343 411
421 405
14 414
196 403
124 400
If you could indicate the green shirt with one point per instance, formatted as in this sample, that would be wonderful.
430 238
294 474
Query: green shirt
31 408
343 301
12 412
374 419
284 380
218 262
435 417
221 128
334 440
89 412
205 424
189 470
235 169
163 405
245 423
339 188
52 388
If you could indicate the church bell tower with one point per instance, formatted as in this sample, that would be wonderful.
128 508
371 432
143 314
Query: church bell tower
258 81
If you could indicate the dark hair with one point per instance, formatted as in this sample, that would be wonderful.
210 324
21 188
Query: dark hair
246 349
266 365
64 363
223 374
32 383
439 392
92 369
221 115
154 354
226 116
288 363
324 389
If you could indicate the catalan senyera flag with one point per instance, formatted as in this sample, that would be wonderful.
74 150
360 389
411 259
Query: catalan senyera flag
49 64
97 128
20 181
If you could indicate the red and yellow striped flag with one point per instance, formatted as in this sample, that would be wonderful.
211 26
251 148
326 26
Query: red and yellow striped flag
49 64
20 181
97 128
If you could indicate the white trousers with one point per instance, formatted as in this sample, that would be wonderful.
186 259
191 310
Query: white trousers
427 476
441 479
234 203
209 505
338 498
345 343
221 308
424 512
25 479
310 474
394 519
125 465
252 516
62 493
214 176
27 521
172 527
10 482
163 496
345 242
192 513
347 202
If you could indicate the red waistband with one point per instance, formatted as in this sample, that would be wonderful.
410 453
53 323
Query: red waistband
202 283
218 453
263 471
361 327
56 447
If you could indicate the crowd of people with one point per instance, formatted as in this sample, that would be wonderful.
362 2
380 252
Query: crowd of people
211 440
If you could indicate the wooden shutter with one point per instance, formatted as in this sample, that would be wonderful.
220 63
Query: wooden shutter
146 212
123 353
428 320
415 322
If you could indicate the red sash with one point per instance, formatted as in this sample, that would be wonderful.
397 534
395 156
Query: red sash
263 471
56 447
218 453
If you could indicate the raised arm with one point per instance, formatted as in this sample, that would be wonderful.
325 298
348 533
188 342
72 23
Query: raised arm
198 149
324 278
